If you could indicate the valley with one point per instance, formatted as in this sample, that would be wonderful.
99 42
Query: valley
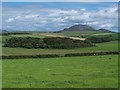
61 72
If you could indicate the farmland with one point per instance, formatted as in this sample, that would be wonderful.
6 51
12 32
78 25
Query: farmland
59 45
77 33
62 34
62 72
65 72
108 46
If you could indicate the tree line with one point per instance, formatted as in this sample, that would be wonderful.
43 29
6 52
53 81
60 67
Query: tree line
14 33
101 39
48 42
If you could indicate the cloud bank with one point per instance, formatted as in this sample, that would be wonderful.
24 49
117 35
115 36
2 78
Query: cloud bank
52 19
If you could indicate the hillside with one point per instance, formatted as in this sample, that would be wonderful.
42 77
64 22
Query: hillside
84 28
105 31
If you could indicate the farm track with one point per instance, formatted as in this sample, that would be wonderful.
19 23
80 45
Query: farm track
74 38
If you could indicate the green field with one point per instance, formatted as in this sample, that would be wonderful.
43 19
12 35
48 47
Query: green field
77 33
33 36
65 72
4 38
108 46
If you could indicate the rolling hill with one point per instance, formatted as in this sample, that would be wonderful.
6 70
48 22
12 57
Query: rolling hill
84 28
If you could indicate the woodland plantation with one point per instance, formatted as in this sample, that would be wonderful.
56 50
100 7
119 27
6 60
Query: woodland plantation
53 42
48 42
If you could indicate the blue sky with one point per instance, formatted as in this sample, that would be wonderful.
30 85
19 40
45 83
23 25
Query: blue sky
60 0
54 16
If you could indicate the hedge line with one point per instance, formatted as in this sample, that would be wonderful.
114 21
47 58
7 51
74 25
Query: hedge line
58 55
31 56
91 53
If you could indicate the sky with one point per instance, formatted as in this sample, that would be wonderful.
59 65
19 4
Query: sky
55 16
60 0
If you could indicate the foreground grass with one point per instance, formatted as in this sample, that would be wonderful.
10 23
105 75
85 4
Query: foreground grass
64 72
109 46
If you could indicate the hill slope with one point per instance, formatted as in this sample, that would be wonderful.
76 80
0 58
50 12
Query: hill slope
84 28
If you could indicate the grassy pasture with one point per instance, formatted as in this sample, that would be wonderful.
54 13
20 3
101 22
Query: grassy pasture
113 35
4 38
77 33
74 33
33 36
108 46
64 72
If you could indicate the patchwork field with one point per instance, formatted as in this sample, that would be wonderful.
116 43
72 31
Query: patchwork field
77 33
67 72
64 45
108 46
63 72
66 34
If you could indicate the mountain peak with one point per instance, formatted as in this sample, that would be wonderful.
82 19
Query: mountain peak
79 27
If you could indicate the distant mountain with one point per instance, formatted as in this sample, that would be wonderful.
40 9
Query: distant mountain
85 28
3 31
79 27
105 31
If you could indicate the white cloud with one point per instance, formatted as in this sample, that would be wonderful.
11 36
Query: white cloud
83 9
107 13
57 19
107 25
31 16
10 20
18 17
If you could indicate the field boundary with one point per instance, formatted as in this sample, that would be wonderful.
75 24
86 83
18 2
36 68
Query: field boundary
59 55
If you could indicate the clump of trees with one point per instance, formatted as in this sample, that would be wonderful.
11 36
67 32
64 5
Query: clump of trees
48 42
65 43
102 38
97 39
24 42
